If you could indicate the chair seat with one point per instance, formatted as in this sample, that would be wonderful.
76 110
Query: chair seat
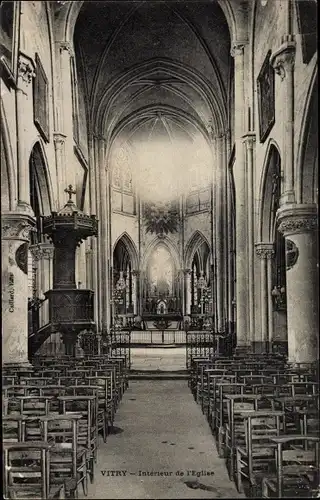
59 449
291 488
30 491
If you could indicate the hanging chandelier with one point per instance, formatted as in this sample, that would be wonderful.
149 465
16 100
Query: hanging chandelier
202 282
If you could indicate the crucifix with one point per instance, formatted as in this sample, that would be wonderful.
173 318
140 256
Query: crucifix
70 192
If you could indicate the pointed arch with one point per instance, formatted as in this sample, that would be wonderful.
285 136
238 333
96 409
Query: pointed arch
128 242
194 244
8 181
168 244
38 162
271 167
307 155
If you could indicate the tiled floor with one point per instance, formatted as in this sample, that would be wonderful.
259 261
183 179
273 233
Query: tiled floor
158 358
162 432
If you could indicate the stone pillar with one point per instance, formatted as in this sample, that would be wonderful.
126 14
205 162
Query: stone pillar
104 243
270 302
93 241
60 154
15 238
230 258
219 227
225 233
249 140
298 223
42 253
187 281
242 307
135 289
265 252
24 108
283 62
64 113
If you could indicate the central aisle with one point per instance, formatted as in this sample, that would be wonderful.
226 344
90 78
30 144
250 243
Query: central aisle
163 431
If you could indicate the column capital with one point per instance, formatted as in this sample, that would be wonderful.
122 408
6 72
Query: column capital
237 47
134 272
26 69
294 219
42 251
264 250
59 138
249 139
283 58
16 226
65 46
186 272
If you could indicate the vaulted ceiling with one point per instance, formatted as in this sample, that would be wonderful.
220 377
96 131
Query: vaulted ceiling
151 59
157 76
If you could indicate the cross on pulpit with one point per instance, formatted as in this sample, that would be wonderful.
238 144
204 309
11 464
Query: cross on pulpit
70 191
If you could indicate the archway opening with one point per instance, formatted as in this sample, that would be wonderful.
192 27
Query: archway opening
124 284
201 285
39 269
162 287
270 233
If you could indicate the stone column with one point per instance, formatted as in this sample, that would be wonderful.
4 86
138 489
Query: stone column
230 257
94 211
242 307
187 280
270 302
15 238
42 253
135 288
219 236
104 243
60 154
89 265
283 62
99 248
298 223
249 140
265 252
24 108
64 109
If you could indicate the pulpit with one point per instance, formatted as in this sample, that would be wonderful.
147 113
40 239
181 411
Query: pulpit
70 308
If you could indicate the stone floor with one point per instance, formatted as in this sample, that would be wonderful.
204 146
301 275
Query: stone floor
163 448
158 358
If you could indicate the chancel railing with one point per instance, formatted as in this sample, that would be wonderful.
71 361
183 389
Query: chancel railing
120 342
200 343
158 337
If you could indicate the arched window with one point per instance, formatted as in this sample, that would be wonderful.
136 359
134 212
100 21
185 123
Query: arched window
123 199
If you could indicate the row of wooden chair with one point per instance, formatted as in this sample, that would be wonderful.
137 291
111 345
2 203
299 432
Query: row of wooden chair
263 414
52 418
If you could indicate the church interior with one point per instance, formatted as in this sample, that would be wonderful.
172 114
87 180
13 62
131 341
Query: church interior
160 259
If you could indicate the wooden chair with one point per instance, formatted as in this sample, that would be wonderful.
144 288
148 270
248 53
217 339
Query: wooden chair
102 422
297 473
68 463
255 457
20 390
9 379
26 472
234 429
37 380
87 431
220 410
105 396
12 428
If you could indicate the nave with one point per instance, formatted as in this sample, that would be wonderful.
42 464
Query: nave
79 427
156 437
